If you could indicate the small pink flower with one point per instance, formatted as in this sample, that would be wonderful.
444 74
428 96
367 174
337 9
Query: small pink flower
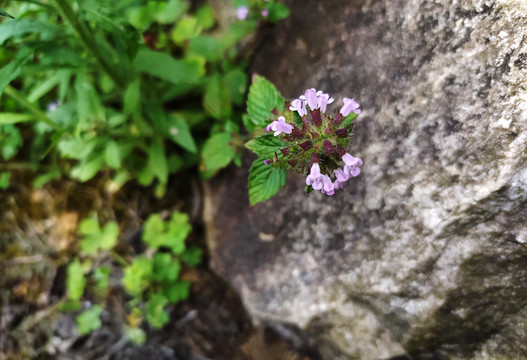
299 106
242 12
280 126
315 178
350 105
265 13
352 167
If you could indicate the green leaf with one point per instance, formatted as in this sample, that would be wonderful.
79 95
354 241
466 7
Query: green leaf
75 280
192 256
109 235
205 17
264 181
155 311
112 155
206 46
157 160
178 230
4 179
217 98
20 27
135 335
154 231
263 98
266 146
278 11
217 152
185 29
101 275
12 70
89 320
87 169
137 275
179 132
348 120
10 141
164 66
166 268
3 13
132 97
13 118
43 179
236 80
177 291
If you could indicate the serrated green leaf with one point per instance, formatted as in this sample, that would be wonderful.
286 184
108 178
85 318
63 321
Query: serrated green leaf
263 98
164 66
166 268
75 280
264 181
185 29
178 230
89 320
217 98
154 231
155 311
179 132
137 275
266 146
177 291
217 152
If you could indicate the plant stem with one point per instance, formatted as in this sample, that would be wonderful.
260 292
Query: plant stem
21 99
86 37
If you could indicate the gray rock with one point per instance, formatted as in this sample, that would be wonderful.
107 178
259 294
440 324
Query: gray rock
424 254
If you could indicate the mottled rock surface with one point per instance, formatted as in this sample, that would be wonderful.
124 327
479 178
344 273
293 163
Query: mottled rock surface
424 255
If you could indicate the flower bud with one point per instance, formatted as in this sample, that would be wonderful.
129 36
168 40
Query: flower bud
306 145
342 133
285 151
297 133
338 119
327 130
317 119
341 151
328 147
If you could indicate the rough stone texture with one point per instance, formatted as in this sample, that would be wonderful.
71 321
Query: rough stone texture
424 255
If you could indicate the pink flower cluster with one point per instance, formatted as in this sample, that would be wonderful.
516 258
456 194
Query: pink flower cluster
323 182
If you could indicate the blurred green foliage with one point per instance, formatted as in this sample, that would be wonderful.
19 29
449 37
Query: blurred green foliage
132 88
151 280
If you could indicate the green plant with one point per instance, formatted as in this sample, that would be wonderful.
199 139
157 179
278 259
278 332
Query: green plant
306 140
124 89
151 280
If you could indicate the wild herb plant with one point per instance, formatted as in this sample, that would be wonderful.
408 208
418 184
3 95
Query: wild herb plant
298 136
151 279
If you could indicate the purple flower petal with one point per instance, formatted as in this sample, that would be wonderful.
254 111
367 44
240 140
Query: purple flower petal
311 97
350 105
242 12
